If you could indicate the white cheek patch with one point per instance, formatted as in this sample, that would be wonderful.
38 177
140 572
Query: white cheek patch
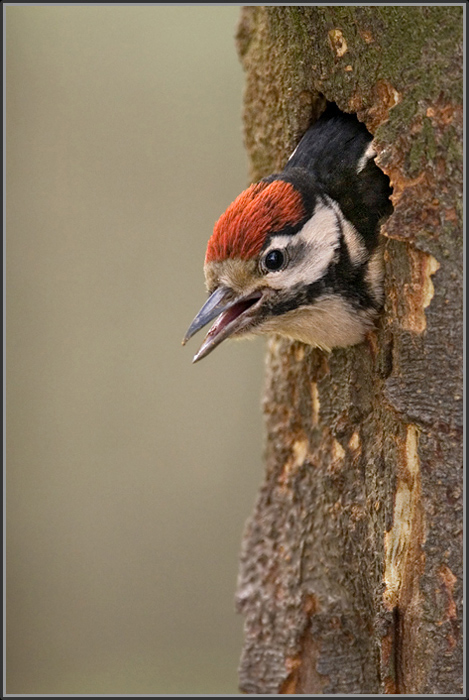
369 153
320 237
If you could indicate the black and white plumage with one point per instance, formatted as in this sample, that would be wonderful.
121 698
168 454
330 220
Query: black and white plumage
298 253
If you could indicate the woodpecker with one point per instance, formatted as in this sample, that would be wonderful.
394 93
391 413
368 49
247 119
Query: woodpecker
298 253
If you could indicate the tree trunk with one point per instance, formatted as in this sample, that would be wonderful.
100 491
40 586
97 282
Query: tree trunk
351 566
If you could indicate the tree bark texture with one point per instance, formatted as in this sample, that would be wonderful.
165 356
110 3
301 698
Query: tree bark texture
351 566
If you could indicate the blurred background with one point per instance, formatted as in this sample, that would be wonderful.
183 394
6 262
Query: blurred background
130 471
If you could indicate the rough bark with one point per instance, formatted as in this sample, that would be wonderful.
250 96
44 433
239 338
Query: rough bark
351 566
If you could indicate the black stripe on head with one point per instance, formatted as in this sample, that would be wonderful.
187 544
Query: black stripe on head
342 279
293 299
348 278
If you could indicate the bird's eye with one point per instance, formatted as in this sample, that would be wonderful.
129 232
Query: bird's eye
274 260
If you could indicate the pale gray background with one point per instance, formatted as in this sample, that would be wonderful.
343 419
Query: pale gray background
130 472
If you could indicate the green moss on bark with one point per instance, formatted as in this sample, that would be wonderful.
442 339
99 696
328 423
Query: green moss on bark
349 431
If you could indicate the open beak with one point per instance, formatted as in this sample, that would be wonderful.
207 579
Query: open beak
232 314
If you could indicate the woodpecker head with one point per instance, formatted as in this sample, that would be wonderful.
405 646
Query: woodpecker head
297 253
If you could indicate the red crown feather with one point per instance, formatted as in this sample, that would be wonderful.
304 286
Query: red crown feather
261 209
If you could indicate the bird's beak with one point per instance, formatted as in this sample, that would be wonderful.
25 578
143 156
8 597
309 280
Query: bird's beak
231 313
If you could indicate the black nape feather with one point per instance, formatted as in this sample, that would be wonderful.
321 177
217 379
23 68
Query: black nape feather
329 154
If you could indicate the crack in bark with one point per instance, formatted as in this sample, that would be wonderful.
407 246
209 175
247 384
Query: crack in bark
404 564
365 440
304 678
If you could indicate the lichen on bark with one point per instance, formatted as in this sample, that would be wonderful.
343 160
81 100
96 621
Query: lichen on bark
351 566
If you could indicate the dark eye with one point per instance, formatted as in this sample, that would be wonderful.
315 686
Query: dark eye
274 260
